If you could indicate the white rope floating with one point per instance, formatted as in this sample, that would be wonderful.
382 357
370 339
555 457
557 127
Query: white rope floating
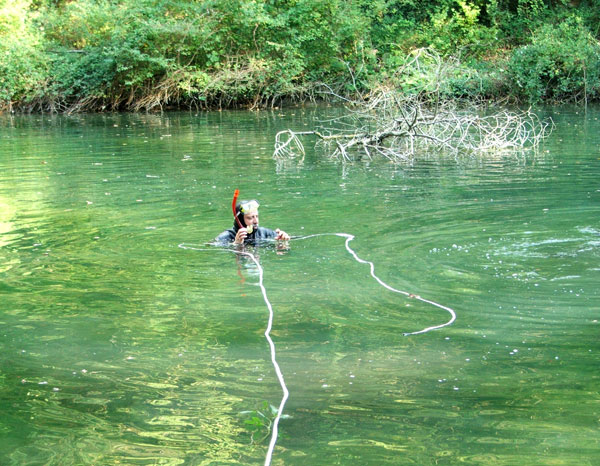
275 425
286 393
388 287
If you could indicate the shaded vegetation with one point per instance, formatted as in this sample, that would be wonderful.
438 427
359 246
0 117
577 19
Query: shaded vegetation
68 56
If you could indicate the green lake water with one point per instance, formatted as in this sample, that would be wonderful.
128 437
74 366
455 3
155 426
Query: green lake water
119 347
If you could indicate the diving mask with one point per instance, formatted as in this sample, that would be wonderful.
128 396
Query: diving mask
250 206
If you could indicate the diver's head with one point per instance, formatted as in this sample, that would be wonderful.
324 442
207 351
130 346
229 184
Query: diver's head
247 213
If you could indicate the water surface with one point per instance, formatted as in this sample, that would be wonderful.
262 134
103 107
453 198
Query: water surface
119 347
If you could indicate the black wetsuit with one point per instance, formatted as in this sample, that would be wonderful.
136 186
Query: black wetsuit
259 234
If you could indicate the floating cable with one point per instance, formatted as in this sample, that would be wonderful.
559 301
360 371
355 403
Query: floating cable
275 426
385 285
286 393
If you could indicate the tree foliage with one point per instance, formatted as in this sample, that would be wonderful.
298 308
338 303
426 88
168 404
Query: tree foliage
22 68
151 54
561 64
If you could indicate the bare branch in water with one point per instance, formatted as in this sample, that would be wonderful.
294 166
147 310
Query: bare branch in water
399 125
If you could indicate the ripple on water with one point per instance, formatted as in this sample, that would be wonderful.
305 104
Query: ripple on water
366 443
120 348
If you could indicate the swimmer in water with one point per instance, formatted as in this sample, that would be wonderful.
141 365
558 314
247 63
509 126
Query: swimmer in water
245 227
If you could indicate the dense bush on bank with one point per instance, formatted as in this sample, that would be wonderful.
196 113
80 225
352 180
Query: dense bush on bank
61 55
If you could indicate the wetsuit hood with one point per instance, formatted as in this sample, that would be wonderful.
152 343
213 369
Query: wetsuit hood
239 213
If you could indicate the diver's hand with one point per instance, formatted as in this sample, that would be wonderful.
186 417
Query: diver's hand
282 235
240 236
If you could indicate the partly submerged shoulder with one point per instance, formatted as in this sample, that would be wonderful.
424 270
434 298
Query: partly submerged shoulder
226 237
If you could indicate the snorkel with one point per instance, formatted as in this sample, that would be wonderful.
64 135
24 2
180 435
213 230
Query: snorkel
236 193
236 214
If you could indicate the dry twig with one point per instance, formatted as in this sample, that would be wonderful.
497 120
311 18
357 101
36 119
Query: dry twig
398 125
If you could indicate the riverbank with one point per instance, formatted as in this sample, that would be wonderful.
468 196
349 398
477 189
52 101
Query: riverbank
99 55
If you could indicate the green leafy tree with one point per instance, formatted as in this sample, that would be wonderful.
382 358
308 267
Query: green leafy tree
22 69
143 54
561 64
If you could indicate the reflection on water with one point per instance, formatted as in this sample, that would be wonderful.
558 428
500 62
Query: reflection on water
120 347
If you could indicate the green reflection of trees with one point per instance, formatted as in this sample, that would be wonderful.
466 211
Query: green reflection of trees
90 289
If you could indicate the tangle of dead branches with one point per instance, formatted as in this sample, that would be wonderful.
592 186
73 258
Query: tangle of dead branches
400 125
